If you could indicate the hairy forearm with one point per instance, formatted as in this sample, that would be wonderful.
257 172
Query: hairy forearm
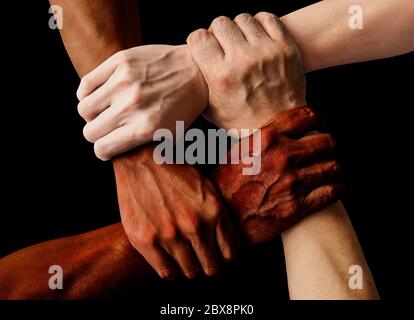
319 253
94 264
323 35
93 30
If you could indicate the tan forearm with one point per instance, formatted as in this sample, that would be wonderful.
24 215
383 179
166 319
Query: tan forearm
325 39
319 252
94 264
93 30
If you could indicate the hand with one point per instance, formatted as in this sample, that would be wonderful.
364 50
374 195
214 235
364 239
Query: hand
171 212
136 92
253 69
298 177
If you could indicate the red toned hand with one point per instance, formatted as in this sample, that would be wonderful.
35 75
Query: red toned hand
297 177
171 213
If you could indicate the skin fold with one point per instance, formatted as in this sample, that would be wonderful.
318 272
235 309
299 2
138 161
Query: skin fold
290 185
100 42
144 84
103 262
189 224
327 260
173 211
252 67
134 114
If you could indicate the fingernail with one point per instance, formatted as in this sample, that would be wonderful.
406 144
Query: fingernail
167 275
191 274
211 271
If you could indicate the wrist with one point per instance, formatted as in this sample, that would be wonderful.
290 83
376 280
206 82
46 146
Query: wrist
274 118
260 116
131 158
278 119
202 84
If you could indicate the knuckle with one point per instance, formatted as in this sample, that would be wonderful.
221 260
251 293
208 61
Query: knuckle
84 111
132 102
219 21
169 234
265 16
193 227
81 109
122 56
88 133
290 183
224 78
223 81
270 17
145 239
124 111
126 74
197 36
248 64
101 151
136 96
244 18
84 86
214 208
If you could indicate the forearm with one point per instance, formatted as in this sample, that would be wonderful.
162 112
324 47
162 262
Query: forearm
94 264
319 252
93 30
325 39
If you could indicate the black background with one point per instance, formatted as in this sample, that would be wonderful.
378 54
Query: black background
54 186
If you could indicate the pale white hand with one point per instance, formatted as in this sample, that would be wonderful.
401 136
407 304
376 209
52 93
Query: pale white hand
137 91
